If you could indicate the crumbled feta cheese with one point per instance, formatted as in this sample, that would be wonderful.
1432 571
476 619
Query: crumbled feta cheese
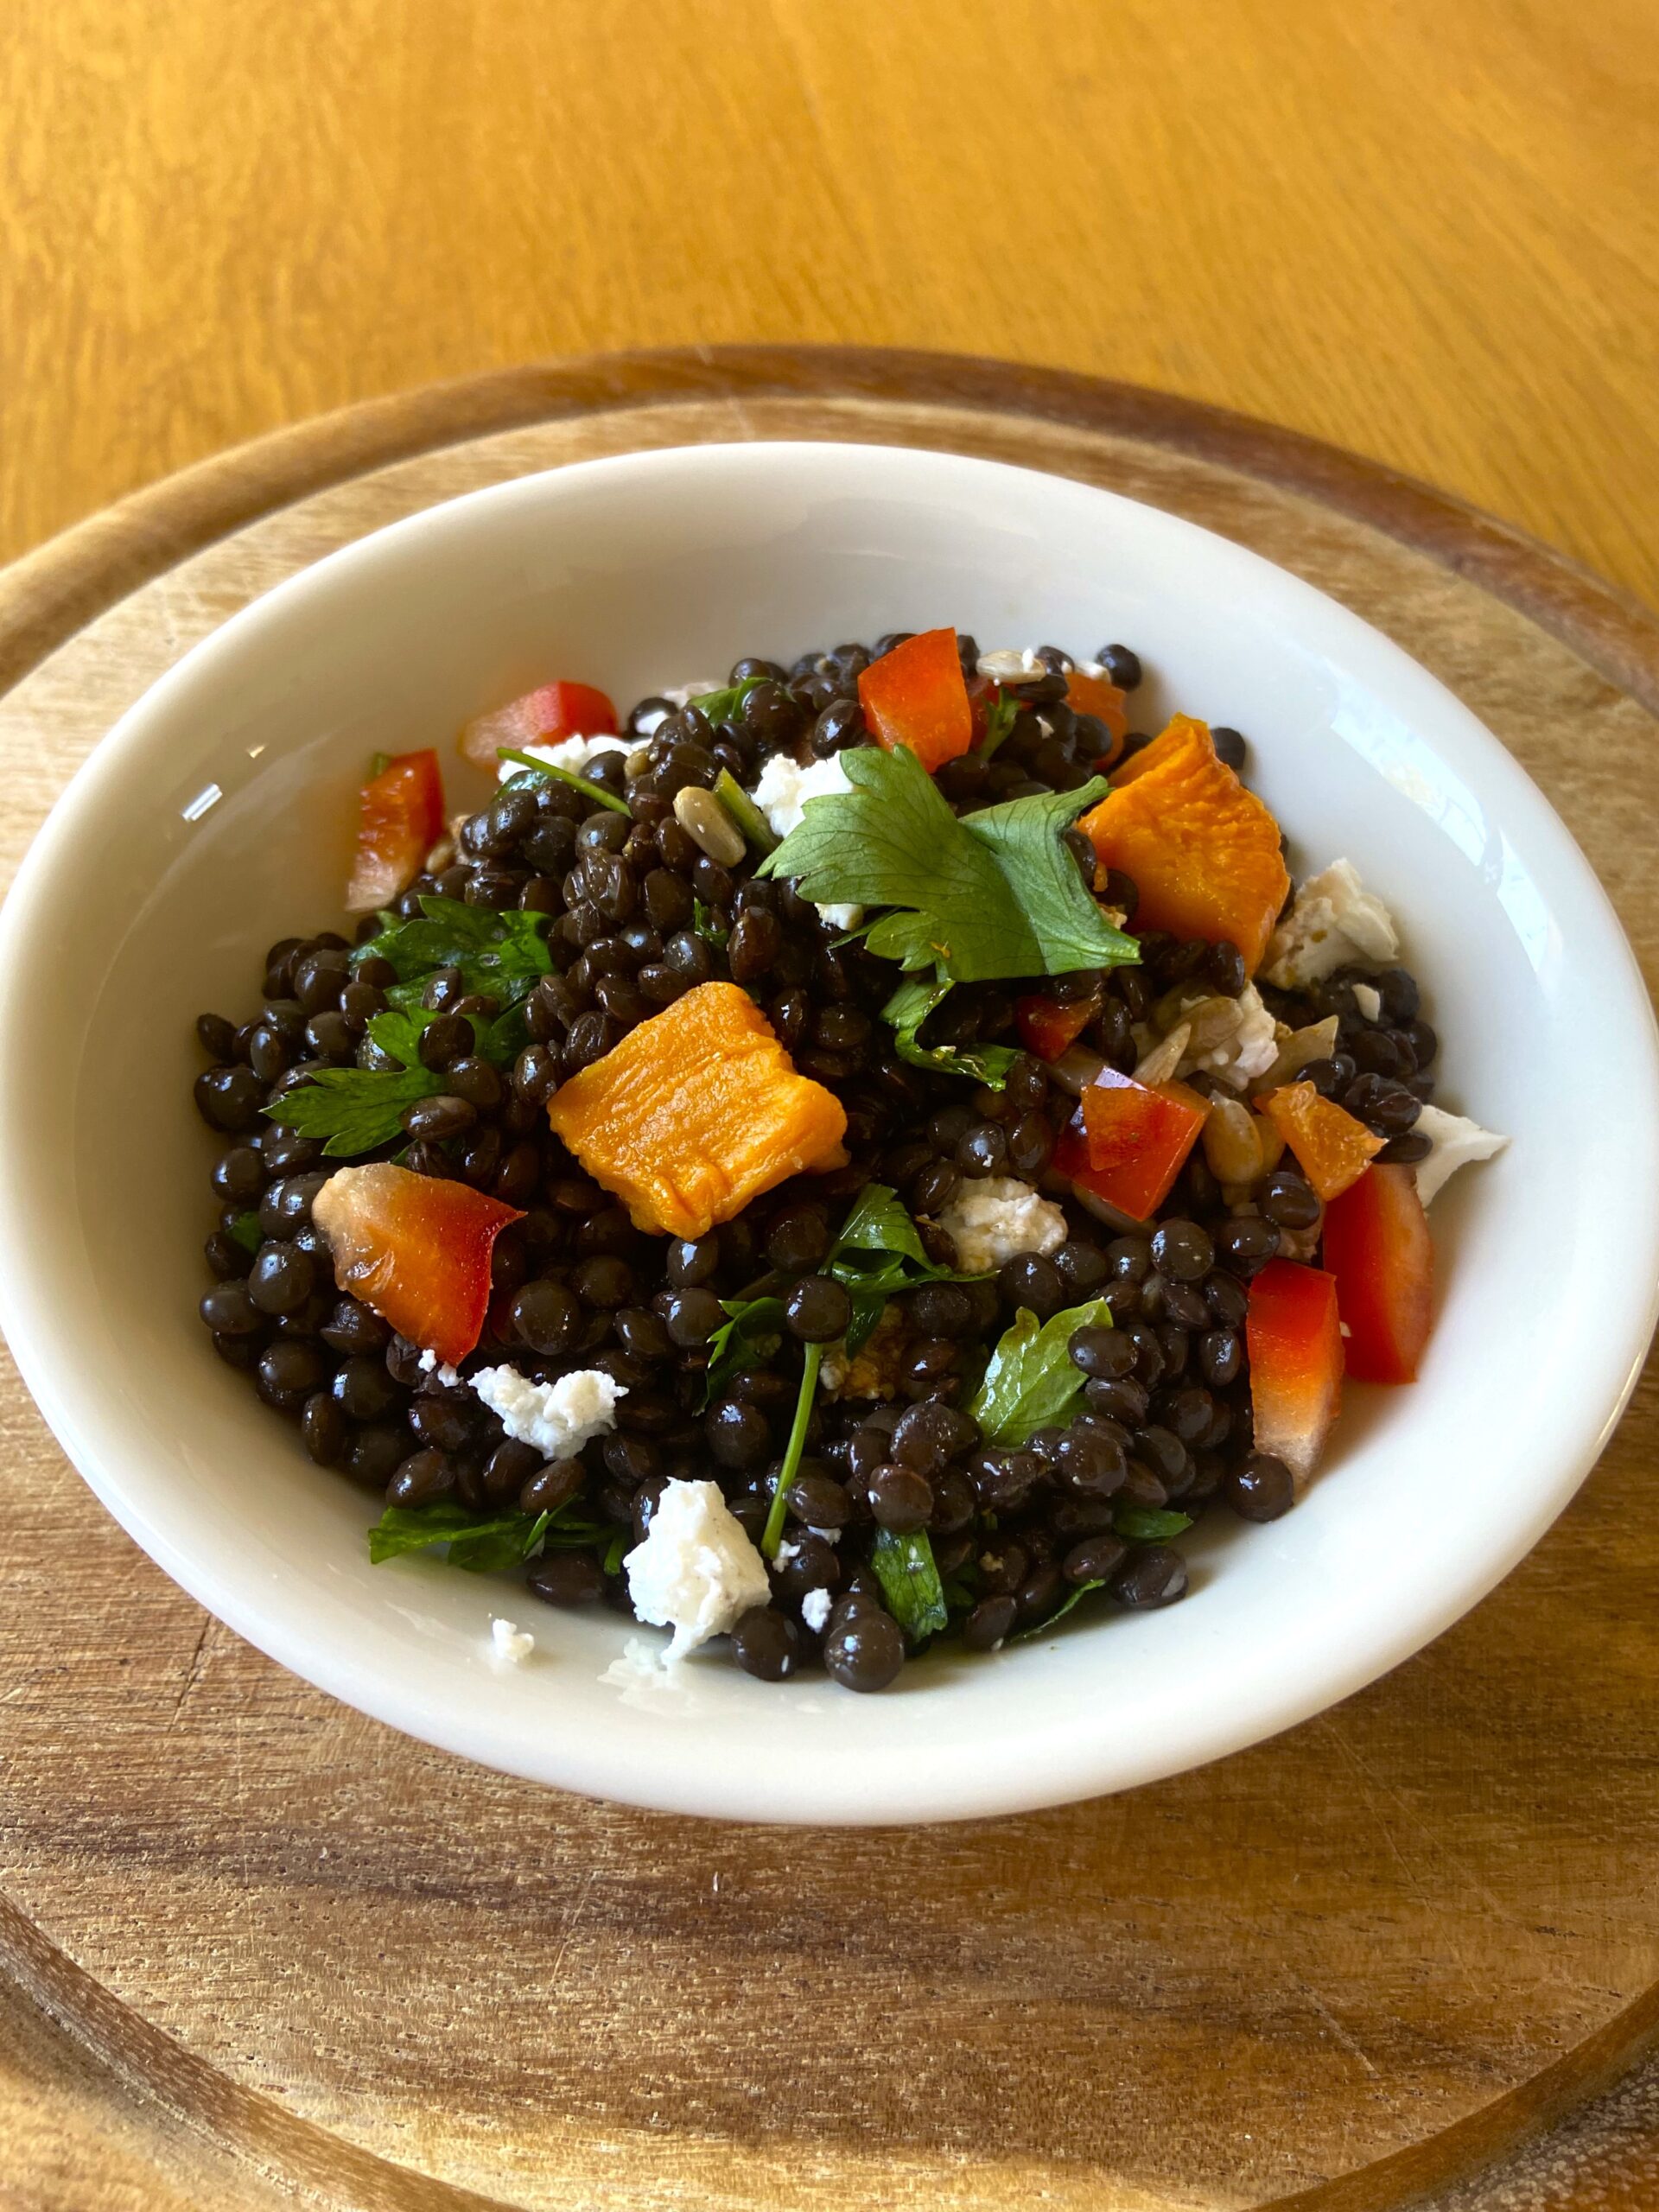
785 787
557 1418
1368 1000
1335 920
571 752
428 1364
781 795
696 1571
1234 1038
1457 1140
815 1610
509 1645
990 1220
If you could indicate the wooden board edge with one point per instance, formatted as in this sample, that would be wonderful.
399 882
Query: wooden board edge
1503 2156
48 594
214 2133
213 2141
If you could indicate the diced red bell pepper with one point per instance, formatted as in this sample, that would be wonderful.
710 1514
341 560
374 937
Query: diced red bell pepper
1093 695
401 819
916 695
415 1247
1294 1337
1047 1027
983 692
541 717
1377 1246
1128 1141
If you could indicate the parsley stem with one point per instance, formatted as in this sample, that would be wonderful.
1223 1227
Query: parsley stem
594 791
772 1534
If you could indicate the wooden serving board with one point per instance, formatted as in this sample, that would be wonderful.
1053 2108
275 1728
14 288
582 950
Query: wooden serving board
255 1946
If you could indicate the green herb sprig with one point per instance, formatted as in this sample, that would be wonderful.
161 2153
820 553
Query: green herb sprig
1031 1382
487 1543
359 1110
355 1110
547 773
909 1008
1000 719
500 955
993 895
877 1253
750 1335
726 704
905 1567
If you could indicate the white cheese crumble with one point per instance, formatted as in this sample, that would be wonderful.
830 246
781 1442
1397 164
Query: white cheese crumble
556 1418
509 1645
1457 1140
815 1610
992 1219
1334 921
1369 1001
676 695
571 752
1234 1038
781 795
696 1571
428 1364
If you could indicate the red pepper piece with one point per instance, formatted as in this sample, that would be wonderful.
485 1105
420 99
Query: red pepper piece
415 1247
400 821
1295 1341
916 695
1377 1246
541 717
1128 1141
1047 1027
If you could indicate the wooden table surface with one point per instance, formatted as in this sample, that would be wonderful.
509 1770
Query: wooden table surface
1427 231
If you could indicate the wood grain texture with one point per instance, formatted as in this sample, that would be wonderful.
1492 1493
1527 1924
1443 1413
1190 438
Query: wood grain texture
294 1951
1429 233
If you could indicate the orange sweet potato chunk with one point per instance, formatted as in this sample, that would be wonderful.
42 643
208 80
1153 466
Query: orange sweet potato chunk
1202 851
1093 695
695 1112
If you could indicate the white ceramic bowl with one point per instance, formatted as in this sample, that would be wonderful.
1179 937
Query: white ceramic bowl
143 902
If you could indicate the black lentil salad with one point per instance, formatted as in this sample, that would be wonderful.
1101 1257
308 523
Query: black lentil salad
929 1436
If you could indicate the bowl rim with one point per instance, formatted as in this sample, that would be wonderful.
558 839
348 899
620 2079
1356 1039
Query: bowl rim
44 1356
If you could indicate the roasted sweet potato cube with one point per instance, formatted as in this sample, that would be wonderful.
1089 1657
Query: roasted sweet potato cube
1202 851
695 1112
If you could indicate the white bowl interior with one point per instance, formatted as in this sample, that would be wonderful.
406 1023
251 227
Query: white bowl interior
653 569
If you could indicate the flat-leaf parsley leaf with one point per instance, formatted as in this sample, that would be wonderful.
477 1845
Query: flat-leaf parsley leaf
909 1008
1030 1382
905 1567
979 899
